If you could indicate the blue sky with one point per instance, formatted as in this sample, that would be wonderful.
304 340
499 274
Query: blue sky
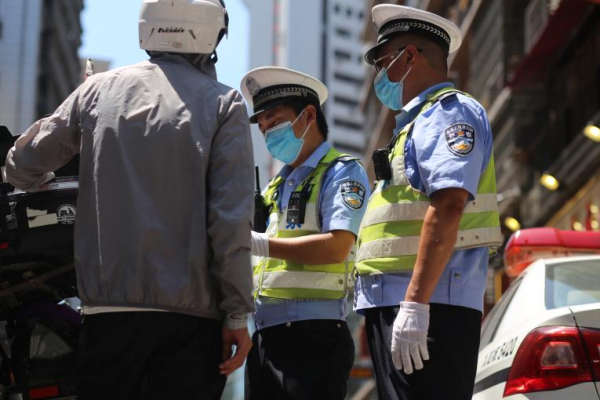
110 32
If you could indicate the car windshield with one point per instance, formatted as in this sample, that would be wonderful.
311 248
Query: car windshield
572 283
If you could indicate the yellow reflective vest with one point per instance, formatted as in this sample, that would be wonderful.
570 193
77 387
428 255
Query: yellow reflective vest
289 280
390 231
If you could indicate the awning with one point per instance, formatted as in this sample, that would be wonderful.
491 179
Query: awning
557 34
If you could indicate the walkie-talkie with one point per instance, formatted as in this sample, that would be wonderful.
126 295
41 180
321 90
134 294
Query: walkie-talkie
260 208
381 164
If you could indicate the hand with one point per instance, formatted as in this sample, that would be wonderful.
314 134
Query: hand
243 344
409 336
49 177
259 244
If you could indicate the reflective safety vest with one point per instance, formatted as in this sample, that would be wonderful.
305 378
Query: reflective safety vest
289 280
390 231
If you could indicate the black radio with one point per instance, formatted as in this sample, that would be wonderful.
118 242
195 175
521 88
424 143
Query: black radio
297 205
381 164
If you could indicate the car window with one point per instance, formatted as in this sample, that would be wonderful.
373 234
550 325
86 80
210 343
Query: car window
490 324
572 283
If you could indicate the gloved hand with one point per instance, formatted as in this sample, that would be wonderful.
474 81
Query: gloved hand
260 244
409 336
49 177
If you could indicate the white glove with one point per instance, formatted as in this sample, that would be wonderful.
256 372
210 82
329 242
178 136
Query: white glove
260 244
409 336
49 177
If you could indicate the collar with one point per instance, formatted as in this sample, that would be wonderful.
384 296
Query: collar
311 162
201 62
411 109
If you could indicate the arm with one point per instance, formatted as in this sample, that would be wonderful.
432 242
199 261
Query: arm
229 212
323 248
230 194
342 208
46 146
438 237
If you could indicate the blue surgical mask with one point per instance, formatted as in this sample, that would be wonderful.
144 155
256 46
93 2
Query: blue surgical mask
282 143
388 92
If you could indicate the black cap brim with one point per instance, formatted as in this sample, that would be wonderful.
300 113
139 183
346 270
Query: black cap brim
372 52
269 105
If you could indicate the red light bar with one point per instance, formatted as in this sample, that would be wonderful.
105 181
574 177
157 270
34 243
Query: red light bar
528 245
43 392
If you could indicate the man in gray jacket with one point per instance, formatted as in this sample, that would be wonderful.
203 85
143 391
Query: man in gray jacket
162 237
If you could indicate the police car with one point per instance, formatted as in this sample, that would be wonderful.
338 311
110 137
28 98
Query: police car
542 339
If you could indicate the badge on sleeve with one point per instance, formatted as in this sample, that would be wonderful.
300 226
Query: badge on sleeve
353 194
460 139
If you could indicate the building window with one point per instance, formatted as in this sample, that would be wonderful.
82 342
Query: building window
342 55
348 79
347 124
347 148
360 15
345 101
337 8
349 12
342 32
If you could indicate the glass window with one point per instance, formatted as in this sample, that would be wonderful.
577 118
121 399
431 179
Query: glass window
492 321
348 79
353 103
342 32
572 283
342 55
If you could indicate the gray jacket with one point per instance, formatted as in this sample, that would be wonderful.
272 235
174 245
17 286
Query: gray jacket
165 187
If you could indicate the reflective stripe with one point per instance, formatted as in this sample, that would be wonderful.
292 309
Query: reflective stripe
415 211
408 245
302 280
399 177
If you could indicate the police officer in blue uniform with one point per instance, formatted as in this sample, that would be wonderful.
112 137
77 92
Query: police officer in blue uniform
423 313
302 348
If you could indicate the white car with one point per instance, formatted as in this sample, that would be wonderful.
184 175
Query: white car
542 339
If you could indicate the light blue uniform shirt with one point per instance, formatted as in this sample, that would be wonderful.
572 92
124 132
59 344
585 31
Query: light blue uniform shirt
334 214
430 166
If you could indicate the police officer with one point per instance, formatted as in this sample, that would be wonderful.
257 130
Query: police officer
302 347
162 239
425 239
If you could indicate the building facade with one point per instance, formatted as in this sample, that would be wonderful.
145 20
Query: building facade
39 66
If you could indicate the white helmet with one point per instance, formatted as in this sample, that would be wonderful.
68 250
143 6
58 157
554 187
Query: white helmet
182 26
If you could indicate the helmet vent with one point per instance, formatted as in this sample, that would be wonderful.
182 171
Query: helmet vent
171 30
